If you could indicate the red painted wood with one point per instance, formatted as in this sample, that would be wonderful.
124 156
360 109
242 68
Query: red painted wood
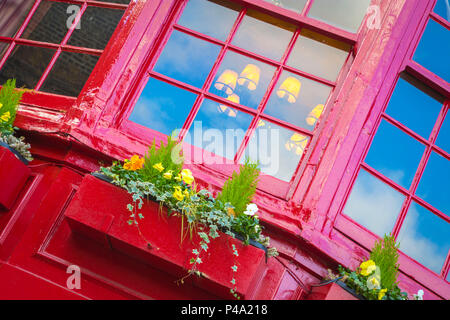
99 211
331 291
13 175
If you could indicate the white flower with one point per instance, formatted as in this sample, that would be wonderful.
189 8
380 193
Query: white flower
419 295
251 209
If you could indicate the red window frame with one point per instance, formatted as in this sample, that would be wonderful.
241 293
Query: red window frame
351 229
44 99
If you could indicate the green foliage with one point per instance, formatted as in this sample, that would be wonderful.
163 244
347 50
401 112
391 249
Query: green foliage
241 187
9 100
385 256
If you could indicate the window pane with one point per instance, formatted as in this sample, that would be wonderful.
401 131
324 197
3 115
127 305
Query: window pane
246 78
425 237
344 14
318 55
443 140
263 35
442 8
96 28
70 73
278 150
219 129
298 100
116 1
374 204
49 22
187 59
162 107
26 64
435 183
13 15
432 51
209 17
296 5
395 154
415 106
3 47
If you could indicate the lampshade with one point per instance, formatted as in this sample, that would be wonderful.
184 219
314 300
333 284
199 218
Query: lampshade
297 143
227 81
290 88
314 115
250 76
227 110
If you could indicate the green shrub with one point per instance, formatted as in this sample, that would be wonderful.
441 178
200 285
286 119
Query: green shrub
385 256
9 101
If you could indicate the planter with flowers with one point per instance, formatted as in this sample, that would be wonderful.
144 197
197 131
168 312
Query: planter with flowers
375 279
151 209
14 152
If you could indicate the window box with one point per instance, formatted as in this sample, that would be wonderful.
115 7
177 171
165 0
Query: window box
334 291
13 175
99 210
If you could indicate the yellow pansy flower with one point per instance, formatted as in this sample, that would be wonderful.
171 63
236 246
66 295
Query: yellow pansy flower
186 193
168 175
6 116
178 177
187 176
374 282
381 293
367 267
158 167
135 163
178 194
231 212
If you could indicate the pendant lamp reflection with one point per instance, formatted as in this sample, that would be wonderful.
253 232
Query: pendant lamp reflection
290 88
297 143
227 81
250 77
314 115
227 110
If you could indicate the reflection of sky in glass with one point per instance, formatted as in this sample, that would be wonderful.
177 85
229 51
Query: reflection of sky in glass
345 14
443 140
442 8
263 35
425 237
226 128
237 63
296 5
414 108
162 107
208 18
395 154
434 187
268 145
374 204
311 94
187 59
432 51
318 55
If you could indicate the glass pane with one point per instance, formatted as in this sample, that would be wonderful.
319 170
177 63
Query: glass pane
116 1
26 64
187 59
243 77
296 5
442 8
374 204
298 100
13 15
278 150
162 107
435 183
432 51
70 73
49 22
96 28
443 140
318 55
425 237
213 18
344 14
395 154
415 106
3 47
263 35
219 129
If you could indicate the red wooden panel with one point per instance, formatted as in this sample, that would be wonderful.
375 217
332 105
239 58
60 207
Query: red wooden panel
330 291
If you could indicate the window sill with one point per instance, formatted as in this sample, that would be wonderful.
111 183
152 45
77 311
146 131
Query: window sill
333 291
99 211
